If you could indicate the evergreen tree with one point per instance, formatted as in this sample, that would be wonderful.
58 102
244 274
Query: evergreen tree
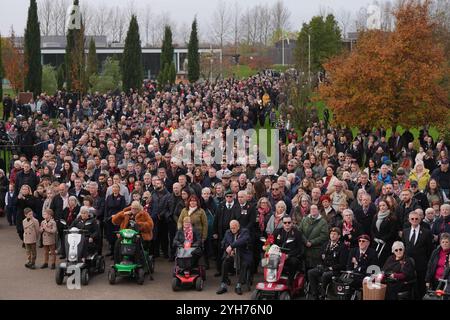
132 69
92 63
60 76
75 59
32 51
167 74
193 55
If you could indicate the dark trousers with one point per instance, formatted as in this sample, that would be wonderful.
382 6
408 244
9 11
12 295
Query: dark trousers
220 253
172 229
11 215
110 234
161 242
227 266
6 113
316 276
421 289
101 230
292 264
60 228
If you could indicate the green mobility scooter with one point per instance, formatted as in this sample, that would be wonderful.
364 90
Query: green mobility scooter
135 261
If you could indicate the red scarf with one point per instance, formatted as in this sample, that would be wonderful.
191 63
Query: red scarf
327 181
188 234
261 217
70 217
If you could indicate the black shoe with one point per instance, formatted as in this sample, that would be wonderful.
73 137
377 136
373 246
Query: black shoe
238 289
53 267
27 265
228 282
222 289
62 257
217 274
32 266
44 266
23 245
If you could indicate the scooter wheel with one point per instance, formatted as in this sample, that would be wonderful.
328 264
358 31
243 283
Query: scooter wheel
102 265
85 277
199 283
140 276
59 275
112 276
285 296
175 284
256 295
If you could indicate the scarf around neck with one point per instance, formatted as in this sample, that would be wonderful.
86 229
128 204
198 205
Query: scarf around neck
188 234
191 210
381 217
261 217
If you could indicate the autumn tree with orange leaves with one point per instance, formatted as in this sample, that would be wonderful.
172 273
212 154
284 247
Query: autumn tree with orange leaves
391 78
14 64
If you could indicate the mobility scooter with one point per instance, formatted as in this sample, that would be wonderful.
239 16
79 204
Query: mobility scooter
187 273
275 285
76 243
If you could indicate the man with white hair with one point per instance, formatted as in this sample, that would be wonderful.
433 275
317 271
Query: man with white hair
419 246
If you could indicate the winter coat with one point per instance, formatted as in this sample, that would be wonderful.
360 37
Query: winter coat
179 239
422 181
30 230
241 243
199 221
316 232
48 229
143 221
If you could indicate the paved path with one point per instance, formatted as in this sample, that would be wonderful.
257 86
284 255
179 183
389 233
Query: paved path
17 282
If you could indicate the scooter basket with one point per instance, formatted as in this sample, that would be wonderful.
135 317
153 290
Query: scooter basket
184 263
127 249
376 292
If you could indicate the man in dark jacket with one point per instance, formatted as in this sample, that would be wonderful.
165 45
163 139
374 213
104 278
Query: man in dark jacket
236 246
419 196
27 140
246 214
442 176
226 212
173 200
360 258
58 204
407 205
7 106
334 260
158 214
28 177
295 246
418 245
364 214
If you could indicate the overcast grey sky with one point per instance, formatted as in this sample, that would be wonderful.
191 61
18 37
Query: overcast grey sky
15 12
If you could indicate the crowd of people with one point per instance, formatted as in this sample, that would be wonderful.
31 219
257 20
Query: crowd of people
348 201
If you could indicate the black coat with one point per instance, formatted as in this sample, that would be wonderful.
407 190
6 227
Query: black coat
402 268
241 243
404 212
368 259
334 257
27 202
114 205
159 204
223 217
175 205
92 227
246 215
387 233
420 251
179 239
365 220
80 196
355 233
29 179
296 247
57 206
432 265
422 200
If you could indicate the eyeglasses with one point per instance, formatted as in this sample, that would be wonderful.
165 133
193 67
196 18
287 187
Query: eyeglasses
398 250
287 222
413 219
275 189
362 240
229 196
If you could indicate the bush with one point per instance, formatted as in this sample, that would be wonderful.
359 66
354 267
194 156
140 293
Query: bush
109 79
49 83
